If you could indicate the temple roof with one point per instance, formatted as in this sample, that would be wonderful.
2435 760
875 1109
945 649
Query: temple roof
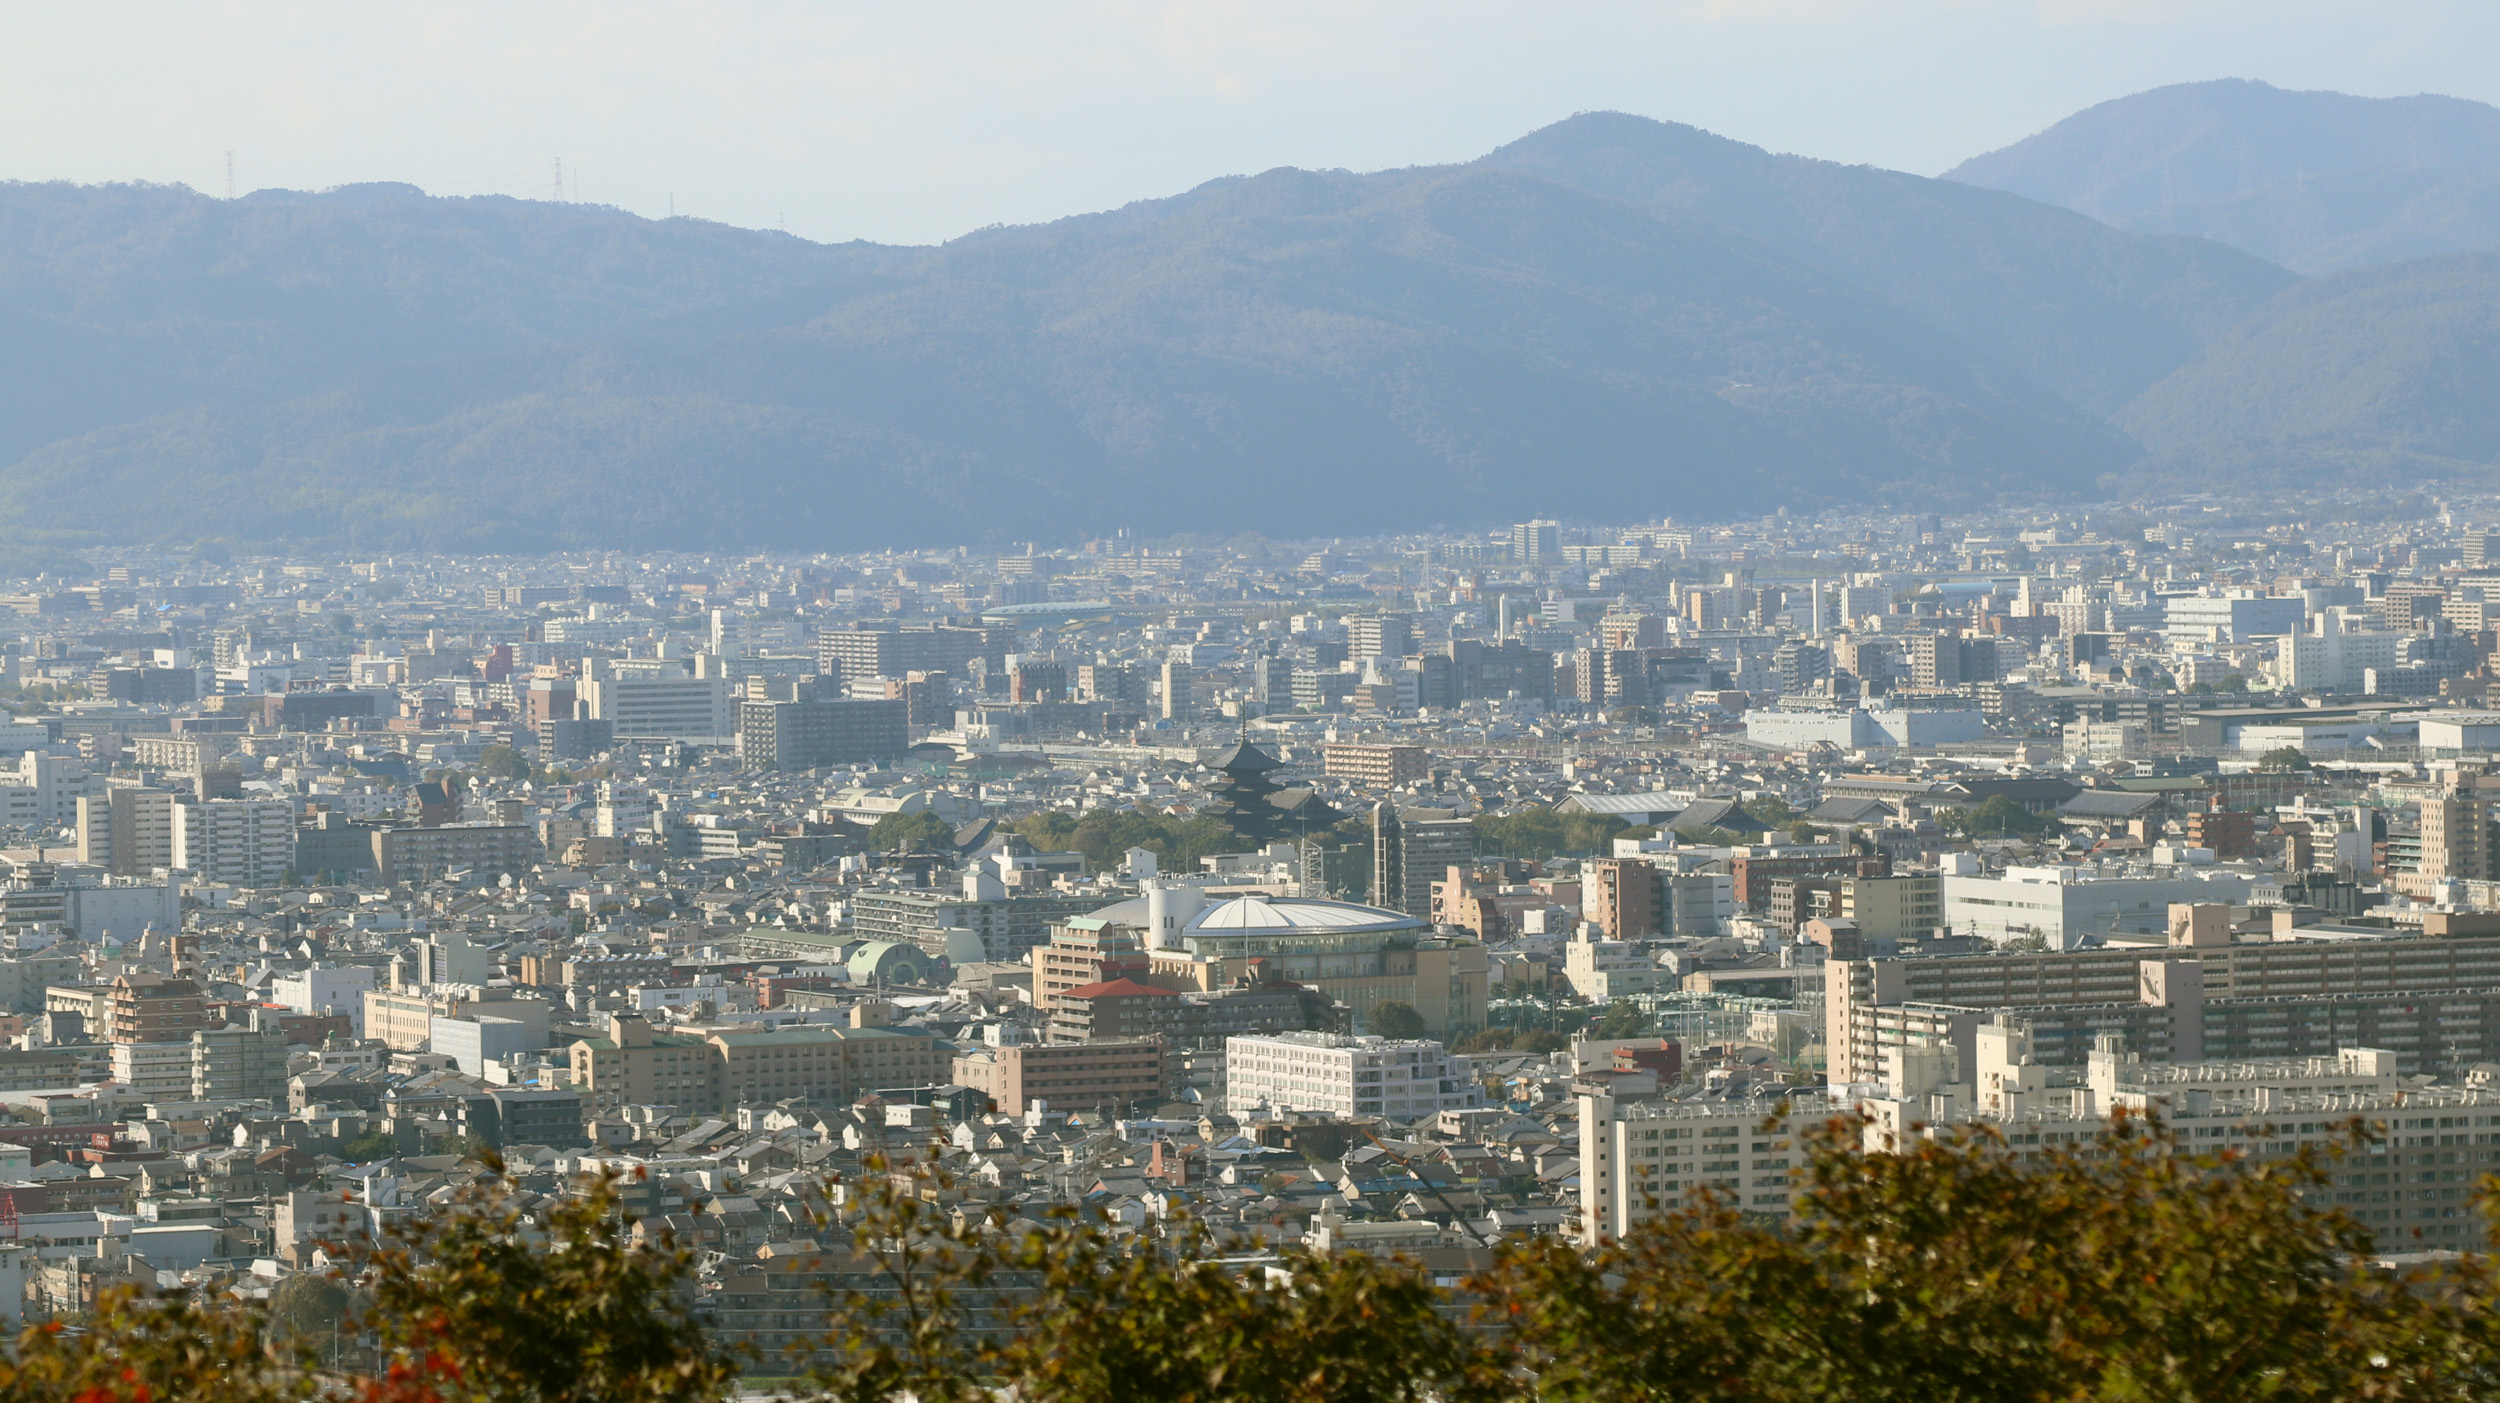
1245 758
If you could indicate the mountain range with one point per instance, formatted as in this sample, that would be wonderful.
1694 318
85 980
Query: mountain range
1610 317
2317 182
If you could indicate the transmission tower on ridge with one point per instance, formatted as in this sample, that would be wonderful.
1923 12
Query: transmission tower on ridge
229 175
559 179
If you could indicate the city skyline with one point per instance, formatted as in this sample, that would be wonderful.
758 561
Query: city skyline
1407 665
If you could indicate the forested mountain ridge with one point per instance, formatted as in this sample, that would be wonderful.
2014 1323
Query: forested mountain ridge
2082 309
1295 346
1611 315
2316 181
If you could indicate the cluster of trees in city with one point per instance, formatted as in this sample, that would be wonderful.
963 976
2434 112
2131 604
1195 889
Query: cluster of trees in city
1106 835
1536 832
2128 1267
504 762
1539 833
1103 835
1994 817
920 832
1551 1025
1535 1042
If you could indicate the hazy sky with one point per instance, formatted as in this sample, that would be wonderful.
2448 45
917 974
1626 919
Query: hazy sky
913 122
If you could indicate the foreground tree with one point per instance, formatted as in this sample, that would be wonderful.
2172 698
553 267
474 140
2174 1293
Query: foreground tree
482 1304
2126 1268
1177 1314
139 1350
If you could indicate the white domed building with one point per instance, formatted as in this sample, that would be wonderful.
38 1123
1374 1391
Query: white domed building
1355 954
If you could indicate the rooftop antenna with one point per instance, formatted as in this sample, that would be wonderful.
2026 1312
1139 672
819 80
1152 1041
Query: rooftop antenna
559 180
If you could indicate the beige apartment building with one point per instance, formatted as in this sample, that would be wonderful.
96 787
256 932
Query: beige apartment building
1376 766
1100 1076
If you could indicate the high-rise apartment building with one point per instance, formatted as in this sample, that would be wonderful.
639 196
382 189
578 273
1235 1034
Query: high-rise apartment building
1380 767
801 735
2456 840
1411 851
415 854
1179 684
848 655
1480 669
1623 631
1535 543
249 842
49 787
1381 635
1030 680
240 1062
128 829
149 1008
1110 682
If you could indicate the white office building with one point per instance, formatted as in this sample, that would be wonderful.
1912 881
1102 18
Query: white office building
2335 654
1334 1074
2234 616
1886 728
46 788
471 1040
325 991
2063 905
693 709
249 842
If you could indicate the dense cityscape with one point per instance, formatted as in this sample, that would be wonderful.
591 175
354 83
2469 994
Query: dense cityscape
1409 895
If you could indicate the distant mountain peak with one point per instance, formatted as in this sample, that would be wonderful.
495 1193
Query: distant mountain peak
1587 134
2194 143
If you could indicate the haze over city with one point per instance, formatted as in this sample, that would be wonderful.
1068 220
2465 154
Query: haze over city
1151 676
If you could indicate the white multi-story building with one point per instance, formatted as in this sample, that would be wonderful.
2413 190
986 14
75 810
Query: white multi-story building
623 810
1644 1156
249 842
1605 970
326 991
664 708
1331 1073
1641 1157
2335 653
2233 616
128 830
2105 740
1882 728
45 789
2062 905
160 1069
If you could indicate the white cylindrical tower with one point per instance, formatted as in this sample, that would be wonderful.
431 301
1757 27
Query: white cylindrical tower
1169 910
